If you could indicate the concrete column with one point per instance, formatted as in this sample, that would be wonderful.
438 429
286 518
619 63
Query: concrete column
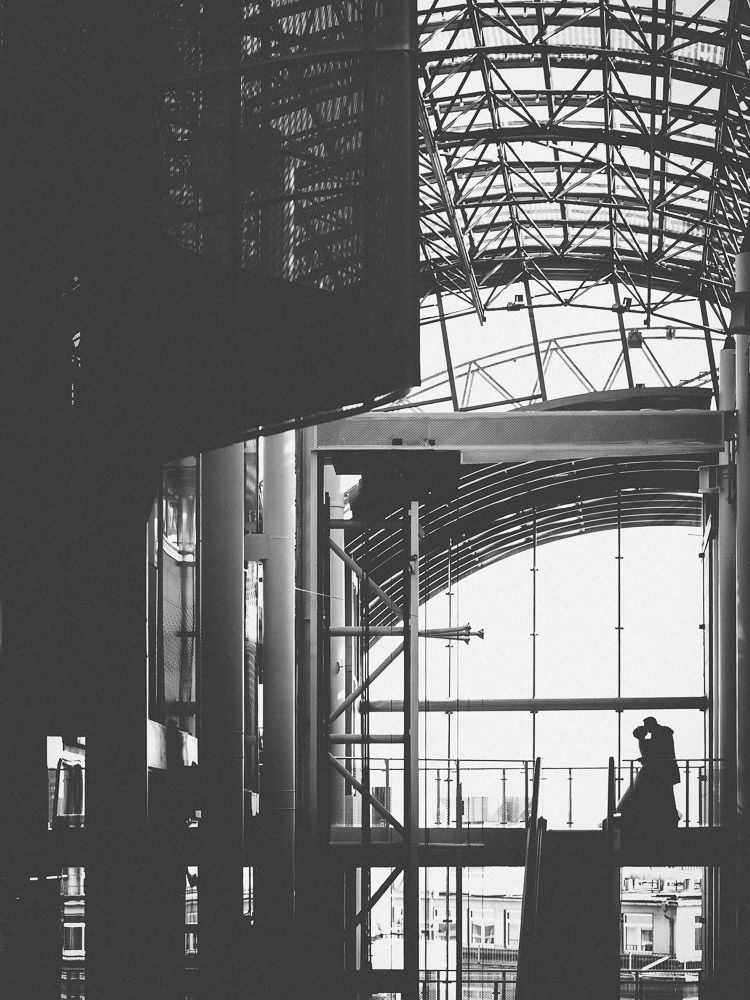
221 733
742 271
275 909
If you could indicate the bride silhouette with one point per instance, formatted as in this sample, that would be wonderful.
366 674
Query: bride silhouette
649 804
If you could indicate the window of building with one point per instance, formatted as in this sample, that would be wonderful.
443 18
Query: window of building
482 923
73 881
638 931
698 933
512 927
73 939
191 942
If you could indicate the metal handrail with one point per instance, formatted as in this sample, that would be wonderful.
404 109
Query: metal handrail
611 791
536 825
498 792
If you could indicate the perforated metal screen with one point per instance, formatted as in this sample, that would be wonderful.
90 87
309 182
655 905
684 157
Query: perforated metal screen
288 137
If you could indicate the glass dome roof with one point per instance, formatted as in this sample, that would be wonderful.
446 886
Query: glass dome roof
587 154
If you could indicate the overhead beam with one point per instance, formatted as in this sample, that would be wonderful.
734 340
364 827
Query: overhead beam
488 438
542 704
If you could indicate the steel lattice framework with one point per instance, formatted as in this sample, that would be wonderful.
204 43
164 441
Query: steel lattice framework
502 510
573 146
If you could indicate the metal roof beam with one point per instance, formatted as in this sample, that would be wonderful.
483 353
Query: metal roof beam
542 704
490 438
449 207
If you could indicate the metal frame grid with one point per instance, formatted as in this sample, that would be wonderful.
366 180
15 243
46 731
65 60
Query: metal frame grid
502 510
577 148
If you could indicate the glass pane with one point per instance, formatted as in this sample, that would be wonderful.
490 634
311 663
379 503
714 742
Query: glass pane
172 597
575 748
491 904
386 943
662 643
577 617
66 782
661 940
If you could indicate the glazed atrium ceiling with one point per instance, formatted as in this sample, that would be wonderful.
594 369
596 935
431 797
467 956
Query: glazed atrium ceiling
584 187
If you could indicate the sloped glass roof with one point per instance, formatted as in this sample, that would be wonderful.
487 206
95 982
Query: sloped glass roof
589 154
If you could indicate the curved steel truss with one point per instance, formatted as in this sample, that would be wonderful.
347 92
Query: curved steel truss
573 145
501 510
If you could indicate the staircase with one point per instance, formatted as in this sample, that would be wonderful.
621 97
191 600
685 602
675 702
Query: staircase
569 947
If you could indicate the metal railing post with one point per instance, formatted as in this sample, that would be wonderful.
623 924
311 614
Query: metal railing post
459 798
504 804
387 802
570 796
526 788
687 793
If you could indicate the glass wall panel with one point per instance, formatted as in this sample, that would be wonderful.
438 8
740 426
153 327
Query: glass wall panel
386 945
190 984
499 600
662 611
575 748
661 936
73 919
576 619
469 929
173 597
66 782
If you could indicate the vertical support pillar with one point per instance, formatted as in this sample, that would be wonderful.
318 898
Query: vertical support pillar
308 613
724 793
459 911
275 911
324 913
742 285
337 659
221 704
411 756
726 693
110 587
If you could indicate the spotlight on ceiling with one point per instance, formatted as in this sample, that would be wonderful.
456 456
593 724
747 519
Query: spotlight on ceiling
635 338
625 306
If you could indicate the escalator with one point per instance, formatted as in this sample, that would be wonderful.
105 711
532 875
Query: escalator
569 945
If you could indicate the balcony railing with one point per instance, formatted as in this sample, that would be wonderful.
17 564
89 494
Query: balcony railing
471 794
500 984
